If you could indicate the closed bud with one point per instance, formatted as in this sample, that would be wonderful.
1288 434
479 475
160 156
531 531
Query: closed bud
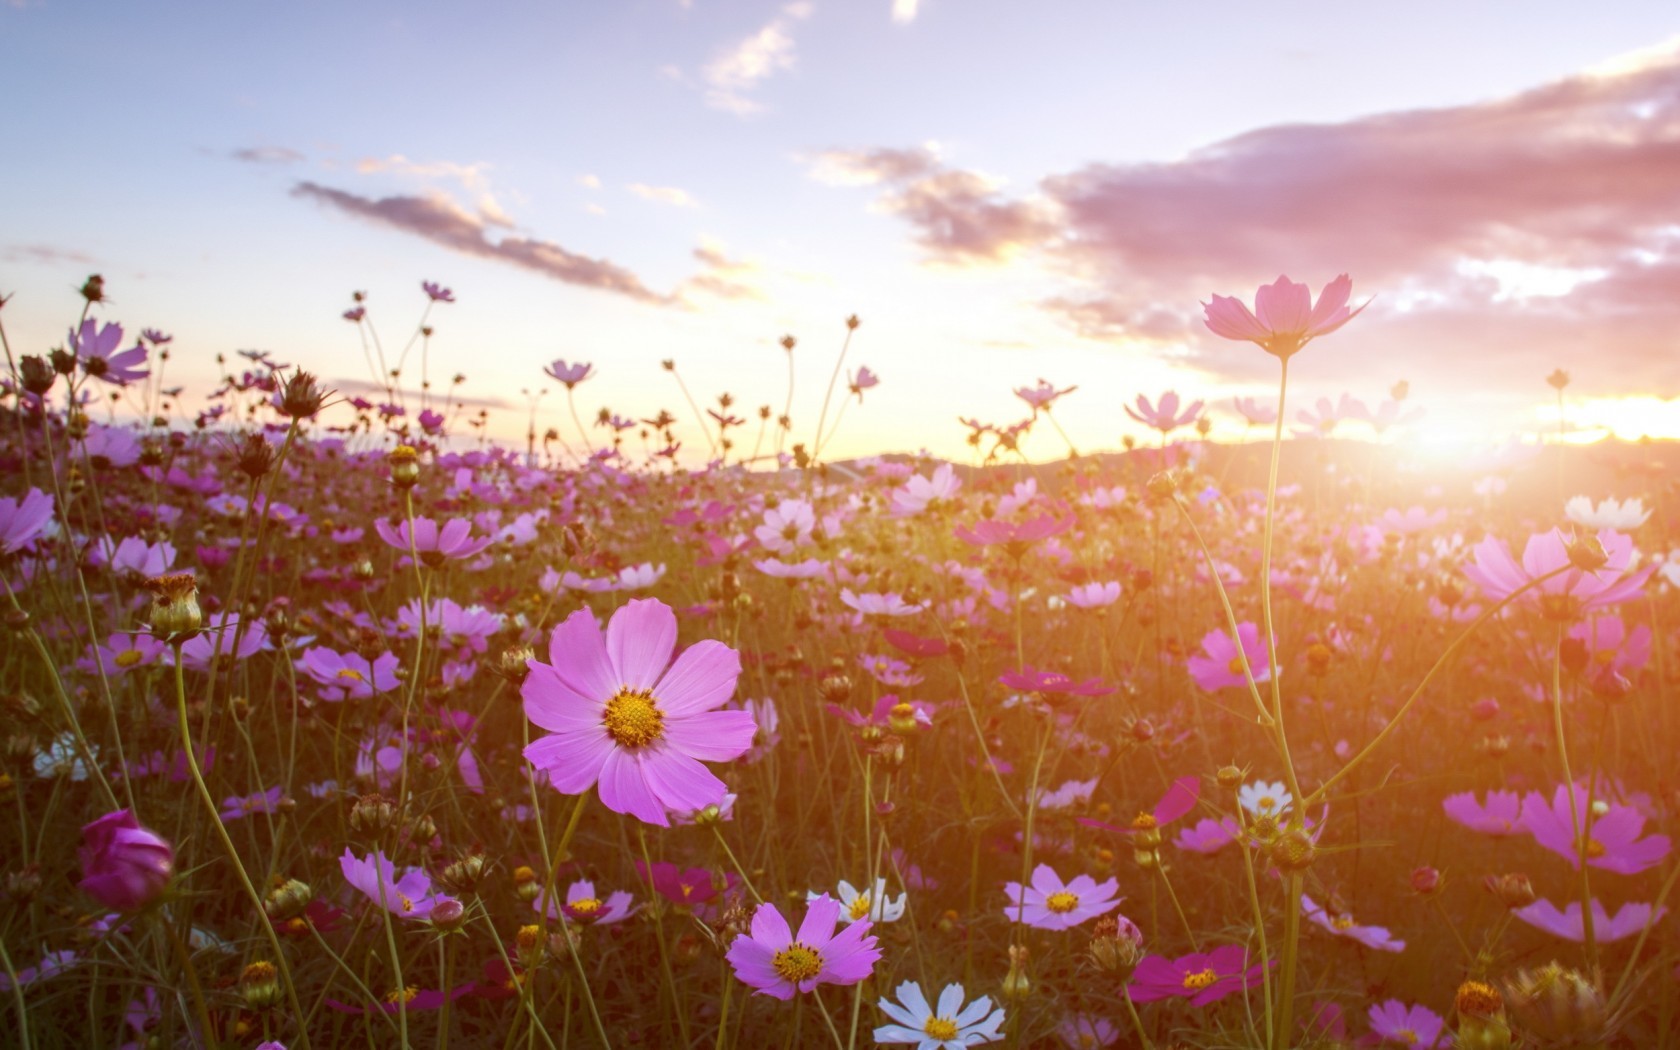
462 876
1294 851
834 687
901 719
1147 859
372 814
63 361
1426 881
404 462
287 900
1163 485
1559 1007
1017 986
38 376
1229 777
256 456
1514 890
175 614
93 289
259 984
1116 946
448 915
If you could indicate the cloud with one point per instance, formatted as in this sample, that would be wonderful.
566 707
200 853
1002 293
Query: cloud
1538 227
437 218
734 74
470 176
267 155
662 194
721 276
589 182
47 255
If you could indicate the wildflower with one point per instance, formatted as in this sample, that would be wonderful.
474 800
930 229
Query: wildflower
1087 1032
1419 1026
775 962
1265 799
1052 683
1256 414
21 521
1094 595
124 866
1342 925
1222 665
863 380
1179 799
236 807
96 347
1201 977
1572 592
1622 516
920 494
1042 396
1561 1007
437 293
1015 538
51 965
950 1026
584 907
694 886
878 604
1498 816
453 541
1208 835
1051 904
408 897
1287 319
350 675
1566 922
1613 839
862 904
1164 416
623 717
570 375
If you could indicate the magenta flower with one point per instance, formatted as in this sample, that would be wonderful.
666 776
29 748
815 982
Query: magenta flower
1342 925
350 675
1164 416
1201 977
1499 816
1417 1026
1208 835
22 520
570 375
625 719
97 349
584 907
124 866
1569 594
1094 595
1566 923
1014 538
1179 799
1052 683
238 807
436 292
873 603
1222 666
409 897
693 886
1613 838
1287 319
774 961
1051 904
435 545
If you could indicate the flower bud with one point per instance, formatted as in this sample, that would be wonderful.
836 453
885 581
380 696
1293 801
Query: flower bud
287 900
529 944
38 377
1514 890
175 614
1017 986
1559 1006
448 915
372 814
1115 948
1588 553
902 719
1294 851
260 985
1426 881
462 876
1481 1018
124 866
525 883
404 462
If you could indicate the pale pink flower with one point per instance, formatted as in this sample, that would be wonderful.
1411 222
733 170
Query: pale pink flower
1284 318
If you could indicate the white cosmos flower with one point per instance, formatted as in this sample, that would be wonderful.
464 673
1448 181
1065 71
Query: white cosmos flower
949 1027
1609 514
1265 800
876 907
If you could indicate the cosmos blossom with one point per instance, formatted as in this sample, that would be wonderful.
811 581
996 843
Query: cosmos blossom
1284 318
1571 593
875 905
1200 977
622 717
1614 840
1051 904
1566 922
1342 925
1221 666
777 963
1179 799
23 520
374 876
584 906
1414 1026
1164 415
452 541
1498 816
949 1026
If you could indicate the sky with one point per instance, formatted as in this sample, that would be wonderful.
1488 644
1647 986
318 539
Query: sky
1000 192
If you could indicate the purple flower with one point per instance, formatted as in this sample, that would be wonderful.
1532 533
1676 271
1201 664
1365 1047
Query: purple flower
1051 683
1222 667
1014 538
1613 838
622 717
1418 1026
350 675
409 897
51 965
1201 977
124 866
1569 594
436 292
774 961
1208 836
236 807
1498 816
1043 395
22 520
583 906
570 375
1566 923
1051 904
1342 925
1165 415
435 545
97 349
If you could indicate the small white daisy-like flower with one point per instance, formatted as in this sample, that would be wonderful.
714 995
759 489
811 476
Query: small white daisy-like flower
950 1026
1265 800
856 904
1624 516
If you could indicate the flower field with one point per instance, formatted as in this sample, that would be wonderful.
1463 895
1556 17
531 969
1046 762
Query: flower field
331 723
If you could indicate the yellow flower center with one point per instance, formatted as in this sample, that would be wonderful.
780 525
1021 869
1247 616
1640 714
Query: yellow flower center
1342 922
1144 821
403 994
1195 982
584 907
407 905
941 1028
797 962
1407 1036
859 906
128 658
903 711
351 674
1595 848
1265 803
632 719
1062 903
1235 666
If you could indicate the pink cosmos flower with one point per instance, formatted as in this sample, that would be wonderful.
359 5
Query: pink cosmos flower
1179 799
436 292
1051 904
1087 1032
124 866
1094 595
1566 923
873 603
1415 1026
51 965
1221 667
919 493
1201 977
1613 838
1256 414
97 349
1164 416
1043 395
570 375
1569 594
350 675
776 963
584 907
1611 646
409 897
1499 816
625 719
863 380
237 807
1208 835
1411 520
22 520
1284 317
1015 538
1051 683
694 886
435 545
1342 925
